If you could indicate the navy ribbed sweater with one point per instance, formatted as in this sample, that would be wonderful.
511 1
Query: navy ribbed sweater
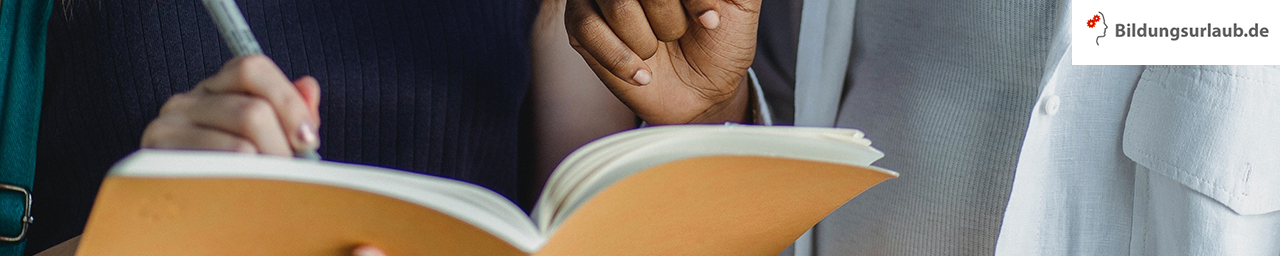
428 86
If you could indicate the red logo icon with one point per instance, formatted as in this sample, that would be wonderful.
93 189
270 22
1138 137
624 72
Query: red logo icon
1094 21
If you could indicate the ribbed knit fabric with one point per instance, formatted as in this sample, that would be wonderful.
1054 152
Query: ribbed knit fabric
428 86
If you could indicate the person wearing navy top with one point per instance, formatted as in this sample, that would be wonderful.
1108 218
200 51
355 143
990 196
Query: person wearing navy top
433 87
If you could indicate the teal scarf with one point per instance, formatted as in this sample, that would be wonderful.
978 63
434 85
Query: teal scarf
22 40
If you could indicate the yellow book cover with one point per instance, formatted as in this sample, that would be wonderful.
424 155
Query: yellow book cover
676 190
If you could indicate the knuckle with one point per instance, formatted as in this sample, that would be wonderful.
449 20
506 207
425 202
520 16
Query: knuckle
617 57
253 113
156 132
243 76
204 85
576 18
250 67
668 31
614 7
176 103
647 48
255 62
581 15
290 100
148 136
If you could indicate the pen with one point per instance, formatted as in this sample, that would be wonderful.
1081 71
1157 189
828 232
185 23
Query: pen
235 32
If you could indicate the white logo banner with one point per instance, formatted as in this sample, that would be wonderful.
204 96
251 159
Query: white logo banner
1151 32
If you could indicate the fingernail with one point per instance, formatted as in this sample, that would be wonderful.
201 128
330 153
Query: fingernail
710 19
366 250
643 77
308 135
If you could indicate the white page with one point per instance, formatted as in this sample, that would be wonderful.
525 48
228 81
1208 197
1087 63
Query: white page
473 204
598 165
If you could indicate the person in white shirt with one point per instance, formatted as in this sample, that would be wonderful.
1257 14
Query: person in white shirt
1004 147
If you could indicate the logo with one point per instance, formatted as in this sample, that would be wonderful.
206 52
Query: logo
1093 22
1157 32
1174 33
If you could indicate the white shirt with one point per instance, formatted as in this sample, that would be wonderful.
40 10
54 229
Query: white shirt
1114 160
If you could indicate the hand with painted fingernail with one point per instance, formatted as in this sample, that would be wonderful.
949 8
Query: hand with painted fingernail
248 106
670 61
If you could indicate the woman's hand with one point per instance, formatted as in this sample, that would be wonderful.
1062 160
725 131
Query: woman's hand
367 250
249 106
670 61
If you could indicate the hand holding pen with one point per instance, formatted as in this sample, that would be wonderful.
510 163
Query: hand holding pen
248 106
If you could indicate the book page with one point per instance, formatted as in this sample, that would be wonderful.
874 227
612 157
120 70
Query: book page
714 205
598 165
160 216
469 203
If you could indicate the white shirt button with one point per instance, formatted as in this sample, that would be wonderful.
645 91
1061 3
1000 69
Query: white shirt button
1051 105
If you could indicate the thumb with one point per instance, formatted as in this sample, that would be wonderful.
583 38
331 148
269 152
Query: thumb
725 41
724 23
709 13
367 250
309 88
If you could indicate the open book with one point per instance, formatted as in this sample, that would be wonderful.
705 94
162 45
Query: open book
673 190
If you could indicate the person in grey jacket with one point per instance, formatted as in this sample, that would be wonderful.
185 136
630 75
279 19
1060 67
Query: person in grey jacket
1004 146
